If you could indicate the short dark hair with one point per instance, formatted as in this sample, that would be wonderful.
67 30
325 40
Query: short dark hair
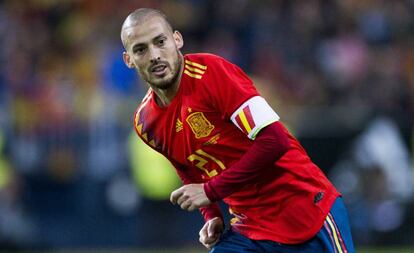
141 15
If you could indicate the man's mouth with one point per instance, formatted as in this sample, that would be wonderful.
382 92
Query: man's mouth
159 69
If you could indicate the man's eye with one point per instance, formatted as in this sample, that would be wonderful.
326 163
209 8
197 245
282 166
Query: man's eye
161 42
139 50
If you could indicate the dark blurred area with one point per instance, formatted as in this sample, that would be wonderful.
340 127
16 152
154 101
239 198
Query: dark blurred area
339 73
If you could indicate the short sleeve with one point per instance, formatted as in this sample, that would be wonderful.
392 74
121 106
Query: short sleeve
235 96
229 86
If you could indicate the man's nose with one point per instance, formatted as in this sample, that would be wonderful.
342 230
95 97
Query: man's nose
155 60
155 56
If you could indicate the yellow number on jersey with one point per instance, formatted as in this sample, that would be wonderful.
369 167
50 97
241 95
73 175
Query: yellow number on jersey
200 157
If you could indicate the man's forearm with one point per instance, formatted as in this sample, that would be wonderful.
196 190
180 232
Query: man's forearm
208 212
270 144
211 211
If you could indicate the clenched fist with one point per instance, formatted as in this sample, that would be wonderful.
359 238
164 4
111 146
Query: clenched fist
211 231
190 197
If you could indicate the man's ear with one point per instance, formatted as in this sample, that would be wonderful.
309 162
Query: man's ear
178 39
127 60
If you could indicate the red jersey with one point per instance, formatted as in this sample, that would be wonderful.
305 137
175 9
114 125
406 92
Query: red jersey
208 126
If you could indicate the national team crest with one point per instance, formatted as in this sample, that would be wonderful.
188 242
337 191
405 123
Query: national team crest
199 124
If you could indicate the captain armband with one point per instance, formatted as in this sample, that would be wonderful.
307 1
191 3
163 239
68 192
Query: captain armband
253 115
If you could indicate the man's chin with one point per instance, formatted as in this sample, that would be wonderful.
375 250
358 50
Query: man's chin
162 84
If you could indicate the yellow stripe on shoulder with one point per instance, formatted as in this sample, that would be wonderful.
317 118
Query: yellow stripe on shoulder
195 64
192 75
199 71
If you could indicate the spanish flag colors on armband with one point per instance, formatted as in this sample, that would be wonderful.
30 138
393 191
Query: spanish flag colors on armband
253 115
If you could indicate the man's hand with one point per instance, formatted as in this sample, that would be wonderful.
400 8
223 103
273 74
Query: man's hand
190 197
211 231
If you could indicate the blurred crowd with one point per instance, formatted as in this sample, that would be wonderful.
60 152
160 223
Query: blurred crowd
340 74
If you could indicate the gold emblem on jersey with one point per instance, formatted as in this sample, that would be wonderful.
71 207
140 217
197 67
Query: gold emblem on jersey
199 124
178 125
213 140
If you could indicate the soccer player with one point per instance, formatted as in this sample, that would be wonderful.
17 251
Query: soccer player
226 143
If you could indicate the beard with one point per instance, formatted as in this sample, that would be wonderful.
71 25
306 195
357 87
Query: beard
165 83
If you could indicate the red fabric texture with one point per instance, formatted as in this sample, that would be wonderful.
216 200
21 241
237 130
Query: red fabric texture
270 144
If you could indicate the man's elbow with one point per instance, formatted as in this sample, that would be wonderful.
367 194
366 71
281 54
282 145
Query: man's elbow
276 139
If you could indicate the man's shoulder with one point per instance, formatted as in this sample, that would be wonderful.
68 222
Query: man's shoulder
205 59
139 116
144 102
201 56
205 64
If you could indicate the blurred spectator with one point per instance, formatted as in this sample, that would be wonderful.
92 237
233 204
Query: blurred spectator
376 179
17 230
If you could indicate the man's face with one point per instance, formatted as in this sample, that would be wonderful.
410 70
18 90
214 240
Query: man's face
153 49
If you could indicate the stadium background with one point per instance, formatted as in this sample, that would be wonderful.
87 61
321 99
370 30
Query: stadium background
73 175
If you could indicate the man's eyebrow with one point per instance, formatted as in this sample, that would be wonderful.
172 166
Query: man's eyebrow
138 45
142 44
159 37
